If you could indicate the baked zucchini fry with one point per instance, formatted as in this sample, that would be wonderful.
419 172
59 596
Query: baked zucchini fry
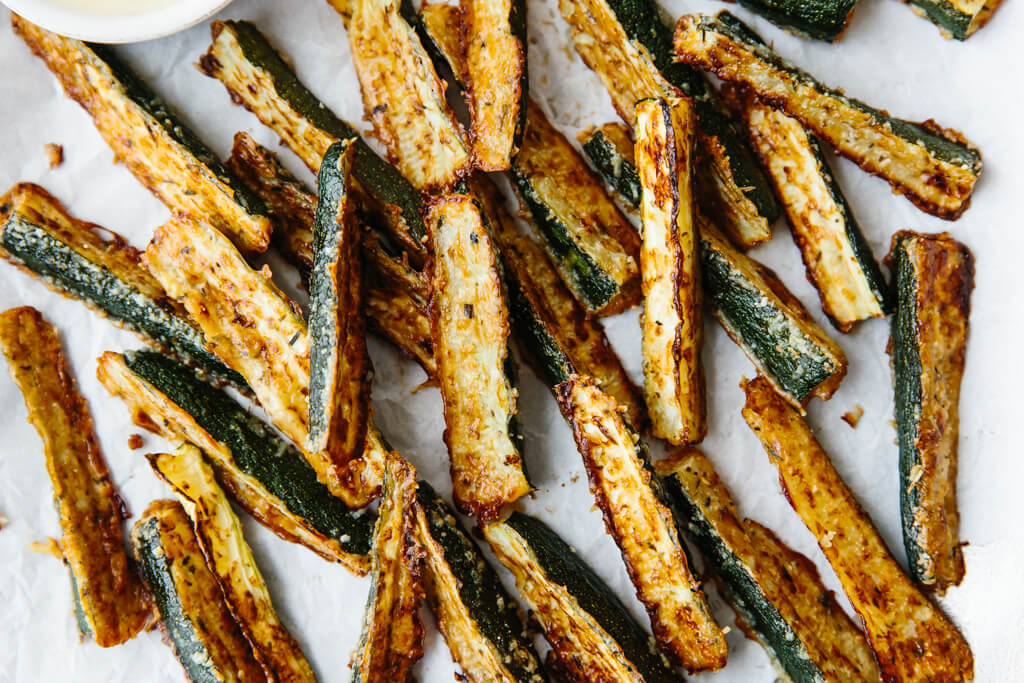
392 637
935 168
477 617
111 604
439 26
816 19
769 323
199 627
257 77
934 277
264 474
592 635
911 638
476 372
775 591
593 245
619 470
630 49
610 151
836 256
553 328
494 43
671 322
404 98
956 18
163 153
106 273
230 559
395 293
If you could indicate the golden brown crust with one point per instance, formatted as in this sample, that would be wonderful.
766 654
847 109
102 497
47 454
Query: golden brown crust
911 638
443 25
113 601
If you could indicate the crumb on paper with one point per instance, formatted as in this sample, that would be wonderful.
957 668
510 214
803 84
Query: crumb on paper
3 521
54 154
852 417
47 547
135 442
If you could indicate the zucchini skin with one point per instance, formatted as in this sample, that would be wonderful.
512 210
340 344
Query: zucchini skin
956 18
251 70
934 277
552 567
610 152
911 638
70 257
201 630
817 19
462 586
161 151
934 168
265 475
111 604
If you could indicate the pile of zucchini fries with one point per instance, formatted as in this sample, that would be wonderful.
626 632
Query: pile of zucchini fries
420 247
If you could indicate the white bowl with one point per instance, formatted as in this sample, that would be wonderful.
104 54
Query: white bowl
116 21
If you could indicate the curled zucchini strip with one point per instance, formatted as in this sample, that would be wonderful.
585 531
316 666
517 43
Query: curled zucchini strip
163 153
911 638
230 559
200 628
111 604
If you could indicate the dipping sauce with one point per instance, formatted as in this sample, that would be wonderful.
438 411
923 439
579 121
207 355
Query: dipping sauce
114 7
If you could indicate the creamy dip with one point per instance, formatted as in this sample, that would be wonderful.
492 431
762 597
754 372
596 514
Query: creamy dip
115 7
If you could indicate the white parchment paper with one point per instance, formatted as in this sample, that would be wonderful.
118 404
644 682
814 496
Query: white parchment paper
888 57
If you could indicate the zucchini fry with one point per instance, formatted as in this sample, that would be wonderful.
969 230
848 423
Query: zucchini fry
476 372
199 627
439 25
619 470
111 604
593 637
593 245
477 617
404 98
230 559
671 322
263 473
911 638
815 19
776 592
935 168
934 277
626 44
257 77
610 151
956 18
106 273
392 637
494 43
163 153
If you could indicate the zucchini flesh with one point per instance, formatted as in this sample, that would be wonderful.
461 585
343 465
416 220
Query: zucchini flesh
107 274
259 78
200 628
817 19
672 329
610 152
590 241
769 323
494 40
775 591
934 168
230 559
440 25
477 617
476 372
392 636
620 475
553 328
836 256
911 638
630 49
111 604
163 153
956 18
264 474
592 635
339 366
404 98
934 277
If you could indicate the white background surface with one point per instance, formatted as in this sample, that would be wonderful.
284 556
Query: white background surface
888 57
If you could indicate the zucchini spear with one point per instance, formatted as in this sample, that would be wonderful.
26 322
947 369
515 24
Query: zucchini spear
911 638
935 168
611 153
817 19
111 604
153 143
956 18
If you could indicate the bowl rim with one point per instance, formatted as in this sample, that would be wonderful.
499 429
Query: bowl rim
97 27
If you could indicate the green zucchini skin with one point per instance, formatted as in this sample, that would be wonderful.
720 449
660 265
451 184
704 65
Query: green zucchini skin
533 333
817 19
618 172
256 450
952 20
